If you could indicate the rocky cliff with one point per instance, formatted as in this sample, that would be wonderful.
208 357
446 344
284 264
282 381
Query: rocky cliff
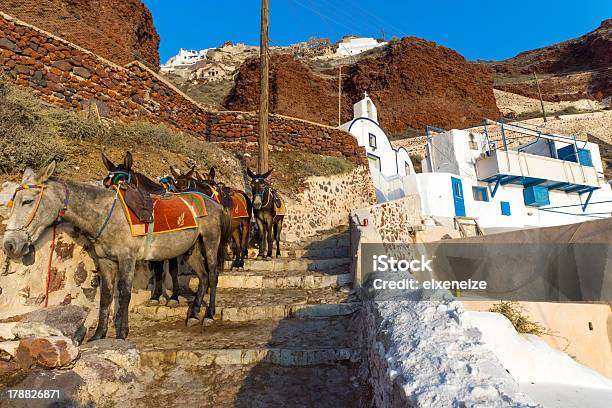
413 83
570 70
118 30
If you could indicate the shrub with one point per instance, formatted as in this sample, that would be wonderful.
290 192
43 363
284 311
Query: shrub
27 137
517 316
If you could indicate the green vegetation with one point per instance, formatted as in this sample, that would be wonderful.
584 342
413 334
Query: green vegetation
517 316
416 162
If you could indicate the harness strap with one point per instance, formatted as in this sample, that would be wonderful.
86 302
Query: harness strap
110 213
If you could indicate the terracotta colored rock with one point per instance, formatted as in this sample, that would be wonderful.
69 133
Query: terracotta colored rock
49 352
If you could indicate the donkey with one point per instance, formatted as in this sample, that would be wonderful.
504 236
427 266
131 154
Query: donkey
122 173
225 196
269 209
42 201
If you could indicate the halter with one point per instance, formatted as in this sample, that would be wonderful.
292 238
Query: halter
168 184
117 175
42 187
260 195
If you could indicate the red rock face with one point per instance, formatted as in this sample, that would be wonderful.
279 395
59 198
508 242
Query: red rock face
413 84
49 352
119 30
588 59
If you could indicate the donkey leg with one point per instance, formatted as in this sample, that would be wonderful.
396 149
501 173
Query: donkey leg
244 240
214 260
173 268
270 238
203 283
124 286
262 238
278 227
238 251
107 274
158 276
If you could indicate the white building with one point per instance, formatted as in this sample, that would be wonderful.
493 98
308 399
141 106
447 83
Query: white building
553 180
184 59
386 163
354 46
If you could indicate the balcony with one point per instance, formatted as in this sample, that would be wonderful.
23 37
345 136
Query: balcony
513 167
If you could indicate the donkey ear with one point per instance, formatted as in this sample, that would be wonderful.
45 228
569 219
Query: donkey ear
107 163
211 174
189 174
46 173
128 161
29 176
250 173
267 173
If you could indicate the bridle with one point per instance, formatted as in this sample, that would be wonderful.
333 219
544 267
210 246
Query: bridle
30 219
117 176
265 192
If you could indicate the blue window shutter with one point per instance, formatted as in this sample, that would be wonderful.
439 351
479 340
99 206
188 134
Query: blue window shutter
505 208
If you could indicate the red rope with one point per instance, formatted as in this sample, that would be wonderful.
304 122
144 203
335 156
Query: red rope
52 249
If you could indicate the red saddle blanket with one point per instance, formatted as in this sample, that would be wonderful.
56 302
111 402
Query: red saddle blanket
239 206
171 212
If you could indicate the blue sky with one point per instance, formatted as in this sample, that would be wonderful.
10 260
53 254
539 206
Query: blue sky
477 29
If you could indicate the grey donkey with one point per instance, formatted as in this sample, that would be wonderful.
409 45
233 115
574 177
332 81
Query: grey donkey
43 201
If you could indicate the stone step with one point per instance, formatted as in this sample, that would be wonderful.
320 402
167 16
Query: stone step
286 264
258 385
311 253
262 304
291 342
247 356
280 280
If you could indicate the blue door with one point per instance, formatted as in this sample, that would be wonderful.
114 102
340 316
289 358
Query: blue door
458 197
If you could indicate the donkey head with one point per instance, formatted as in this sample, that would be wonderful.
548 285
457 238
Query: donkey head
35 207
119 173
182 181
259 187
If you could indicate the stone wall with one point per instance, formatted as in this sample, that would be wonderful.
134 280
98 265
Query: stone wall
326 202
422 354
71 77
414 145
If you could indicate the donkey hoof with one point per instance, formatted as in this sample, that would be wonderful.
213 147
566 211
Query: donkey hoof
172 303
192 321
153 302
207 321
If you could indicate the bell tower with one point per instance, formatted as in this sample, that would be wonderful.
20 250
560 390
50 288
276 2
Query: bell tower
365 109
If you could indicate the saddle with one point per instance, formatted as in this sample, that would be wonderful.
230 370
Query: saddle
279 204
171 212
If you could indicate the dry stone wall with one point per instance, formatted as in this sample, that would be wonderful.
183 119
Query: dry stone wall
326 202
71 77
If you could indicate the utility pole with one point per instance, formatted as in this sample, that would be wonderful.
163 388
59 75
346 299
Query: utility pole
339 95
539 93
264 60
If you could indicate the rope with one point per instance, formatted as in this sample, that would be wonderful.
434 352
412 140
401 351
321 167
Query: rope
110 213
51 250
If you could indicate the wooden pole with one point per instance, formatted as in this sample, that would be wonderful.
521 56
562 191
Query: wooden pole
339 95
540 93
262 163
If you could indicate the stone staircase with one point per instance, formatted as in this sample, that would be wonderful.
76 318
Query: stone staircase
283 336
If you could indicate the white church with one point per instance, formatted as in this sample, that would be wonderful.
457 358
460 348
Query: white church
552 180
